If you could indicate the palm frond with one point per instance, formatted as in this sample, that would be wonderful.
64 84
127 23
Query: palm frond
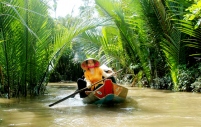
130 29
172 45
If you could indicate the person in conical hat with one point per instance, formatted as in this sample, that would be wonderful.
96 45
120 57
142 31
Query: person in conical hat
84 64
92 73
109 71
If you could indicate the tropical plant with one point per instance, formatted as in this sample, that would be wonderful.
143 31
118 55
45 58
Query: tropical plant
67 68
168 13
25 40
185 78
196 86
131 31
130 23
31 46
194 13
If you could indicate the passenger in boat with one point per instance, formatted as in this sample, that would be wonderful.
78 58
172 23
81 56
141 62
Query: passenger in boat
92 73
109 71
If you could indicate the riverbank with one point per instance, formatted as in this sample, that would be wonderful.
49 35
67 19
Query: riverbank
62 84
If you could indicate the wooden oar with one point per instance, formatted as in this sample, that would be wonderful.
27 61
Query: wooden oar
78 91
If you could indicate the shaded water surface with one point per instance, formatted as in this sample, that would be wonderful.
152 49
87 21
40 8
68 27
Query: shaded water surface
143 108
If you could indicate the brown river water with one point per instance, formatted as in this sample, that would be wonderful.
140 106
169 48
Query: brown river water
143 108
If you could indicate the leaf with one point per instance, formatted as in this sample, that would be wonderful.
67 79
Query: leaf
192 17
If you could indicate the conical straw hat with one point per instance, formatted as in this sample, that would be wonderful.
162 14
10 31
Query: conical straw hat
84 65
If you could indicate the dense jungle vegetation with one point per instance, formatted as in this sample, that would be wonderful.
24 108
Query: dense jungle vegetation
155 42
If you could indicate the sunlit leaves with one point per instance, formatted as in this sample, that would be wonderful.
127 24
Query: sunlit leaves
131 33
194 13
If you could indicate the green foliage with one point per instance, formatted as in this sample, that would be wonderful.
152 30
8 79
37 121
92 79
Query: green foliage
31 44
187 77
163 83
194 13
55 77
132 31
66 69
196 86
148 39
194 40
169 13
25 42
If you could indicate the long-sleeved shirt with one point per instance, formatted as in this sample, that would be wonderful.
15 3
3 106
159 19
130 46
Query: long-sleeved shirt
95 77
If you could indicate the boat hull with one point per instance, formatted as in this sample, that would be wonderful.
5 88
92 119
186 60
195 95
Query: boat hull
108 93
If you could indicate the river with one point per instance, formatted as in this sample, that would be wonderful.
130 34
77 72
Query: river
143 107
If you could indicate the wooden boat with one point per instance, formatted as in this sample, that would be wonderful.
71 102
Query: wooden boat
108 93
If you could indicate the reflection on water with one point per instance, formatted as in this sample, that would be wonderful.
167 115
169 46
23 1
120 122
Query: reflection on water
142 108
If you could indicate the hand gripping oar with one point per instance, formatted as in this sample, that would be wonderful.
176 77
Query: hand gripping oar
76 92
